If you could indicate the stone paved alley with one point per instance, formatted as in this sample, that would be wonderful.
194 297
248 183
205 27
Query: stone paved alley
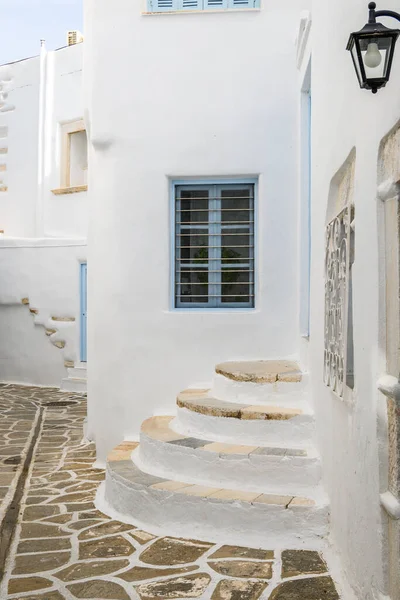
55 545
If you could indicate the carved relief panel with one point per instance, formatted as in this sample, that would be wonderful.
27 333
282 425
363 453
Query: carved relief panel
339 258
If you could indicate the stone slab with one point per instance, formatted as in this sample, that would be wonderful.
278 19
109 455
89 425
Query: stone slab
315 588
94 568
302 562
97 589
243 552
243 568
228 589
169 551
190 586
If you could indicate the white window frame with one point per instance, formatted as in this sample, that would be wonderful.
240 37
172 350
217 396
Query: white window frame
213 306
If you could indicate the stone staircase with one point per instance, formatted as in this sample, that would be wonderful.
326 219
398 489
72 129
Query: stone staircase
237 463
76 380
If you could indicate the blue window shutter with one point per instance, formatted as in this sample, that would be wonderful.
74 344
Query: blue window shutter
190 4
244 3
162 5
215 4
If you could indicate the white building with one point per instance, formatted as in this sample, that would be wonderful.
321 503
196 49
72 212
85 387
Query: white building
355 149
199 103
202 137
43 218
211 110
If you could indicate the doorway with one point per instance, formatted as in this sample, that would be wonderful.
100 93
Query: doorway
83 294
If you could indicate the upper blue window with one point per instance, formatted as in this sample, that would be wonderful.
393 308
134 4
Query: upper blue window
214 246
176 5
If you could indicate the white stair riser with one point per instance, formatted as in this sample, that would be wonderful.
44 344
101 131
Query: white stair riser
74 385
79 372
276 394
297 432
238 523
277 475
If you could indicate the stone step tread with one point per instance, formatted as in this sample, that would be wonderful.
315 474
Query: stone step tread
120 464
261 371
202 402
159 429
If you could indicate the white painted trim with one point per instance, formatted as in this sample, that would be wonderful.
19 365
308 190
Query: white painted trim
391 505
388 190
231 522
39 225
201 12
299 431
278 475
304 214
41 243
280 393
390 387
303 36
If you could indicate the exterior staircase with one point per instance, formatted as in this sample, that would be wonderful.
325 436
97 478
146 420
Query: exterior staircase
76 380
237 463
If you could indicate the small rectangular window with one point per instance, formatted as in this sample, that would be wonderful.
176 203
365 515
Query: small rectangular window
184 5
214 246
74 158
78 158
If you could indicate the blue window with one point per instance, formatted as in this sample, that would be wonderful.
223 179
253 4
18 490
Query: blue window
175 5
214 246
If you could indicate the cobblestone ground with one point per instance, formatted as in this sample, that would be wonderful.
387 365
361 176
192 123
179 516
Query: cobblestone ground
63 548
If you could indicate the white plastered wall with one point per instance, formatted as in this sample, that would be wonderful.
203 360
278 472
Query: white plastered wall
20 148
170 96
44 237
45 272
345 117
64 214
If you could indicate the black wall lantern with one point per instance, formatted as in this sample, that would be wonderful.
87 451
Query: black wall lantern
372 50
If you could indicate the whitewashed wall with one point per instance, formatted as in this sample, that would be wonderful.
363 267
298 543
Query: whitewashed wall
63 214
46 272
44 237
33 143
345 117
183 95
21 148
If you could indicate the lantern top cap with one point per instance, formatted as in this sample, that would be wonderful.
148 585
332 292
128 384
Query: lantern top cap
372 30
372 5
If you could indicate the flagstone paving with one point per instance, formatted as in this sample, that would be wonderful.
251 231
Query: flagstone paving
63 548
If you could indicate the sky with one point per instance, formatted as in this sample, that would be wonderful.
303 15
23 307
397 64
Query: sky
25 22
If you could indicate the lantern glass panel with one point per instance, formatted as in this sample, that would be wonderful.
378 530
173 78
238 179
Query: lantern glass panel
375 71
356 62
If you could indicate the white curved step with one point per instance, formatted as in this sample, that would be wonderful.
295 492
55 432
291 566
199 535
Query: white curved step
201 416
260 382
237 517
74 384
78 371
279 470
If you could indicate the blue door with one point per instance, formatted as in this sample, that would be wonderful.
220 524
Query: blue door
83 312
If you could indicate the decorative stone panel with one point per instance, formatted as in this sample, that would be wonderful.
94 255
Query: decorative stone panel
339 257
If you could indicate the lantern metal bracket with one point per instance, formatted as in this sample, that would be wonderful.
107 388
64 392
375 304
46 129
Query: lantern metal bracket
375 14
374 36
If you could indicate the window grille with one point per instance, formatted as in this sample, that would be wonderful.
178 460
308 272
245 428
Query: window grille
177 5
214 246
